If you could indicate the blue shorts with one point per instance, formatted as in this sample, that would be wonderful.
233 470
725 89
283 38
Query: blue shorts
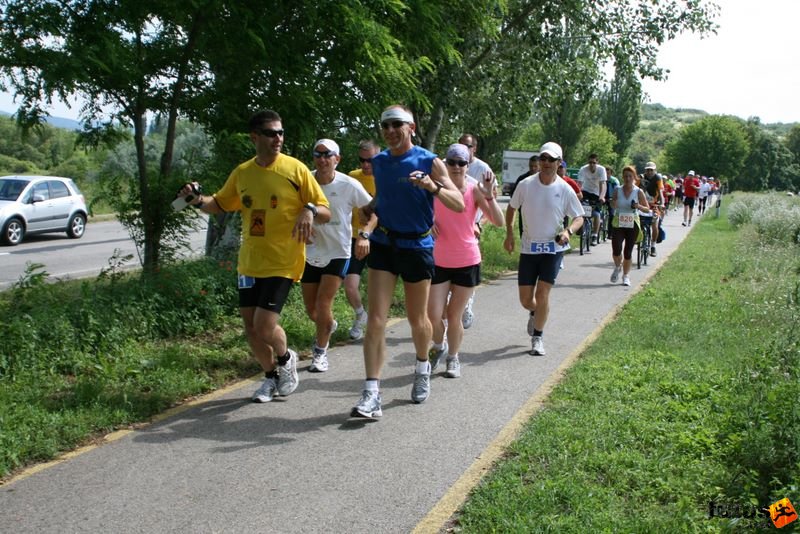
356 266
336 267
411 264
534 267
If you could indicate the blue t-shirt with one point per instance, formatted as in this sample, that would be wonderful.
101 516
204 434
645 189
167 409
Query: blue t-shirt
401 206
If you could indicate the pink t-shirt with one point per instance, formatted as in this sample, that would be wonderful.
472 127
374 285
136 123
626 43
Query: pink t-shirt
456 245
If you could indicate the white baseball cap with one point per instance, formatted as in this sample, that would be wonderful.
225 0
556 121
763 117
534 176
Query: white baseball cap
551 149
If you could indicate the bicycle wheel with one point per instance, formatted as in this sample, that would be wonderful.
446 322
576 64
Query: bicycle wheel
604 222
586 235
639 255
646 245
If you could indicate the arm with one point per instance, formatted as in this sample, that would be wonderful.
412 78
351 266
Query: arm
448 194
643 205
508 244
362 243
485 200
205 203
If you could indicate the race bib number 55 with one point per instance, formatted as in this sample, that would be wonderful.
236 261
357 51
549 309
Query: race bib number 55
543 247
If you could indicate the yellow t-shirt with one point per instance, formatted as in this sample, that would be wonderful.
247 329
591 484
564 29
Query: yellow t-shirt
368 181
270 199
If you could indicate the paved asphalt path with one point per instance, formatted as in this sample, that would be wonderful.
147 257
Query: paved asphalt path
301 464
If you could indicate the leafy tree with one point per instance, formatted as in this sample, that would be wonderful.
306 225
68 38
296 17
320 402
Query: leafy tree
793 142
770 164
620 106
714 146
595 140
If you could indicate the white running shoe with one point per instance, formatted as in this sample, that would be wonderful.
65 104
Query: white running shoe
369 406
421 387
537 346
357 330
453 368
287 375
467 318
319 361
615 275
266 391
626 280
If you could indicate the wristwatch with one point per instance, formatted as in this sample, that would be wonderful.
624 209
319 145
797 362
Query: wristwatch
312 208
363 235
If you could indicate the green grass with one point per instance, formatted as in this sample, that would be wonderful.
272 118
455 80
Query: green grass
689 396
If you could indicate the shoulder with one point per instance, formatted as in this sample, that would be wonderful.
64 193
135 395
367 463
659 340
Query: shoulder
356 173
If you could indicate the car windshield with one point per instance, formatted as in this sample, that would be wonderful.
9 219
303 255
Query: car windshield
10 189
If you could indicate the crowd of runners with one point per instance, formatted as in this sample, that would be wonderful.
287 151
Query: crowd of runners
409 214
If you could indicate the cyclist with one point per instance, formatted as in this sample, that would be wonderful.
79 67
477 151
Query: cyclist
654 187
628 202
593 178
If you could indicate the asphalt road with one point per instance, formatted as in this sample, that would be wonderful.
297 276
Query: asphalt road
300 464
65 258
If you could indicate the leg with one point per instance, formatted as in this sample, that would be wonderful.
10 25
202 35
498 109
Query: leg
310 299
455 332
352 292
416 310
379 297
436 310
324 304
542 299
265 337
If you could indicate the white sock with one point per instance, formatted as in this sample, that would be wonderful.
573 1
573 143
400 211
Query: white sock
452 356
371 385
438 346
423 368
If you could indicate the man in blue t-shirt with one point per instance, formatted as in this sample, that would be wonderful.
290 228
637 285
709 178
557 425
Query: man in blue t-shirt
407 177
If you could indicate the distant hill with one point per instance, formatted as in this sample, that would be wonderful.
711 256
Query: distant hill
57 122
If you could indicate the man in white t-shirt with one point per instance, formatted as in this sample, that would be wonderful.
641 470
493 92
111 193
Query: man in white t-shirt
593 179
543 201
328 249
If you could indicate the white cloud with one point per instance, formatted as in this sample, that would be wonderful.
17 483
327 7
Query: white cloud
751 68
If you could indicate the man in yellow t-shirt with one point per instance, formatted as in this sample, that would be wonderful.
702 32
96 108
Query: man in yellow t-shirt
279 200
366 149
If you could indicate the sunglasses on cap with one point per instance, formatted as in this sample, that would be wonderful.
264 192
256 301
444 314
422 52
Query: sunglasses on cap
269 132
327 154
394 124
547 159
454 162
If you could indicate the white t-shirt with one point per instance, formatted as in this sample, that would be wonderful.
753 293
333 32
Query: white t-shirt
543 208
475 172
705 189
590 181
331 240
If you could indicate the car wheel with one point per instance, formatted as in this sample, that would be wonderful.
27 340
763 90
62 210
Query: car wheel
76 226
13 231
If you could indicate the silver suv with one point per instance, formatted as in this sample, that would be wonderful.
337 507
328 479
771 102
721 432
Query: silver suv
39 204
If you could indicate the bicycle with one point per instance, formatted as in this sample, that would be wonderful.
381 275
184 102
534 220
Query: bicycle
643 246
586 229
605 222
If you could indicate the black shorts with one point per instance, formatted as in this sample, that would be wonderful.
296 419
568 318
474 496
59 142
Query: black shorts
313 275
688 201
411 264
268 293
458 276
533 267
356 266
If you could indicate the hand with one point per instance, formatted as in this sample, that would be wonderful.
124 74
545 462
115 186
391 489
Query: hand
422 180
303 229
563 238
487 185
508 244
362 248
193 189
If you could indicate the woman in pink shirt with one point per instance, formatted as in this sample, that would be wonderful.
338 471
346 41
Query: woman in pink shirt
457 256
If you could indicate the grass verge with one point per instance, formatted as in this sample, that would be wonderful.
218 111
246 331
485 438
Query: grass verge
685 407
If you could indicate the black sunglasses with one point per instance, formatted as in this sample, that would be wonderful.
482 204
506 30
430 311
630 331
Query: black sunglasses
269 132
454 162
393 124
365 160
547 159
327 154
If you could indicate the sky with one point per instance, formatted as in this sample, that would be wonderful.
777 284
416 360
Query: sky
750 68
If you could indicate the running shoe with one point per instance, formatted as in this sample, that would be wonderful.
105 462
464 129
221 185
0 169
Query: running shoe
287 375
357 330
435 355
319 361
626 280
422 386
615 275
537 346
266 391
530 324
453 368
369 406
467 318
653 251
